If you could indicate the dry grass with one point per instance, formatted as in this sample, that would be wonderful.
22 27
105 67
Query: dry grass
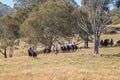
118 25
115 37
79 65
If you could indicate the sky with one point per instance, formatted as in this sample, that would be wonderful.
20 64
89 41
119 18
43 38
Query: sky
78 1
7 2
10 2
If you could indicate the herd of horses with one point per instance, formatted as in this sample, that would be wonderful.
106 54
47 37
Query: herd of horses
106 43
63 48
74 47
109 43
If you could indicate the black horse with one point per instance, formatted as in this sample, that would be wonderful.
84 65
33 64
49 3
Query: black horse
32 53
46 50
68 48
106 43
118 43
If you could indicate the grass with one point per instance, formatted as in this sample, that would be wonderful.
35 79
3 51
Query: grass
79 65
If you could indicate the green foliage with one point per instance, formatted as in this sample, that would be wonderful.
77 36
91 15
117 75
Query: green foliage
5 18
22 14
10 33
11 30
31 29
52 19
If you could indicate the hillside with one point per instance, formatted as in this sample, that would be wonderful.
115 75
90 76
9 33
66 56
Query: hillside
79 65
4 9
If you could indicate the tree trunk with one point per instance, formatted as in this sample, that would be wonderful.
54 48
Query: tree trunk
50 45
86 41
35 45
86 44
96 45
5 53
11 51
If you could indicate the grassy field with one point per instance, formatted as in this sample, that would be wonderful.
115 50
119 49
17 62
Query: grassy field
79 65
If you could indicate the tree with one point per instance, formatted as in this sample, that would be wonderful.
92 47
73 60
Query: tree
3 40
118 3
116 17
83 34
11 34
31 30
98 15
53 19
22 14
3 44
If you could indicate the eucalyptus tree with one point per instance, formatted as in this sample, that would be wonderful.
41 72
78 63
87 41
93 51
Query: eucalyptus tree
32 30
3 44
99 16
52 20
3 40
83 34
116 17
9 34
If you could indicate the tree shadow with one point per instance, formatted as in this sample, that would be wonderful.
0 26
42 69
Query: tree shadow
110 55
116 55
117 28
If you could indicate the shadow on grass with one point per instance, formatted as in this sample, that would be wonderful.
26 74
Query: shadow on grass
117 28
116 55
110 55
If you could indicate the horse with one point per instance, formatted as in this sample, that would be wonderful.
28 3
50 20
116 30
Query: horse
69 47
118 43
46 50
32 53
